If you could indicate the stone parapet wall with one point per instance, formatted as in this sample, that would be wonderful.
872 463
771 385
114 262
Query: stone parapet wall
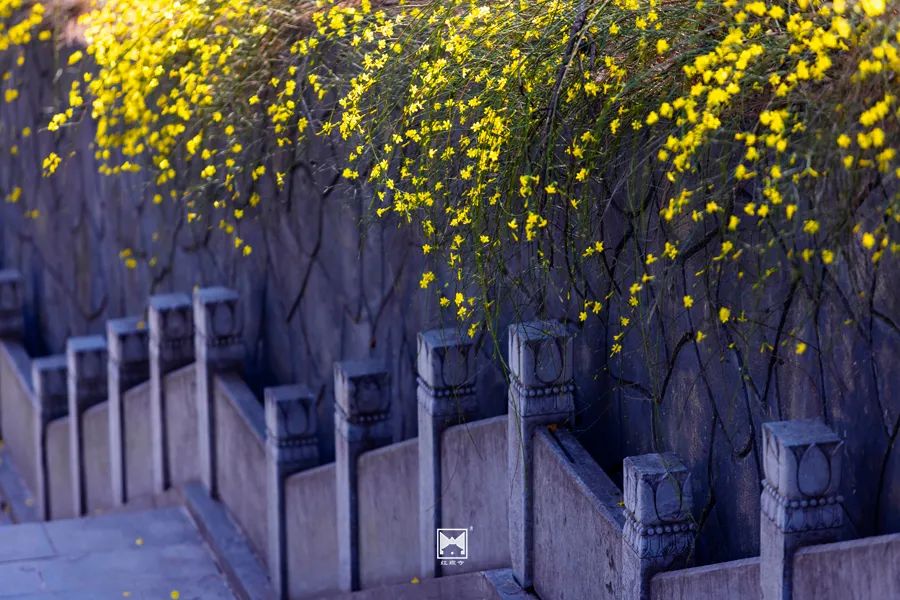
517 491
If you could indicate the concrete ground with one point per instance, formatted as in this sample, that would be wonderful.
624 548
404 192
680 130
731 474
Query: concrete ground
154 554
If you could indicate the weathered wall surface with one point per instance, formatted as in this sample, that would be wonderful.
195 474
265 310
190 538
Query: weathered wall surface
319 288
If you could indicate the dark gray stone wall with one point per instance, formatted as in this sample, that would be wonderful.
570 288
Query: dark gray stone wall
324 284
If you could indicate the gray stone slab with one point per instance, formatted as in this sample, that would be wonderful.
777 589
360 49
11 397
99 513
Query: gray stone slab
310 509
23 542
245 573
735 580
577 522
19 411
852 570
181 425
138 440
96 452
241 464
209 587
111 572
388 514
137 555
474 477
59 472
121 531
479 585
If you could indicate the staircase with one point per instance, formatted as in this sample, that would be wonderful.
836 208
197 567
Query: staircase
153 554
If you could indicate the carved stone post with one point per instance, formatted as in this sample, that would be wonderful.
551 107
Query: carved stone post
800 502
129 365
171 347
659 526
48 376
217 342
86 359
541 393
361 421
446 394
291 446
12 299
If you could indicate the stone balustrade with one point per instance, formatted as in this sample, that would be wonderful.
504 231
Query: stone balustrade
173 379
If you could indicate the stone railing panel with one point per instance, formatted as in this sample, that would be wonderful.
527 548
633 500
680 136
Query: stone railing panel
179 388
59 470
241 457
864 568
388 509
138 437
734 580
311 532
98 491
19 411
578 522
473 469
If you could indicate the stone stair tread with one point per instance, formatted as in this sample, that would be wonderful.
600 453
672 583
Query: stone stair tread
146 554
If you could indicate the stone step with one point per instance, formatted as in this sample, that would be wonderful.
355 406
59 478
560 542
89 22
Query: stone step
149 554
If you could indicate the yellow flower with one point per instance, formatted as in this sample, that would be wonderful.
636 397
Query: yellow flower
800 348
810 226
868 241
661 46
50 164
426 280
688 301
873 8
724 314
